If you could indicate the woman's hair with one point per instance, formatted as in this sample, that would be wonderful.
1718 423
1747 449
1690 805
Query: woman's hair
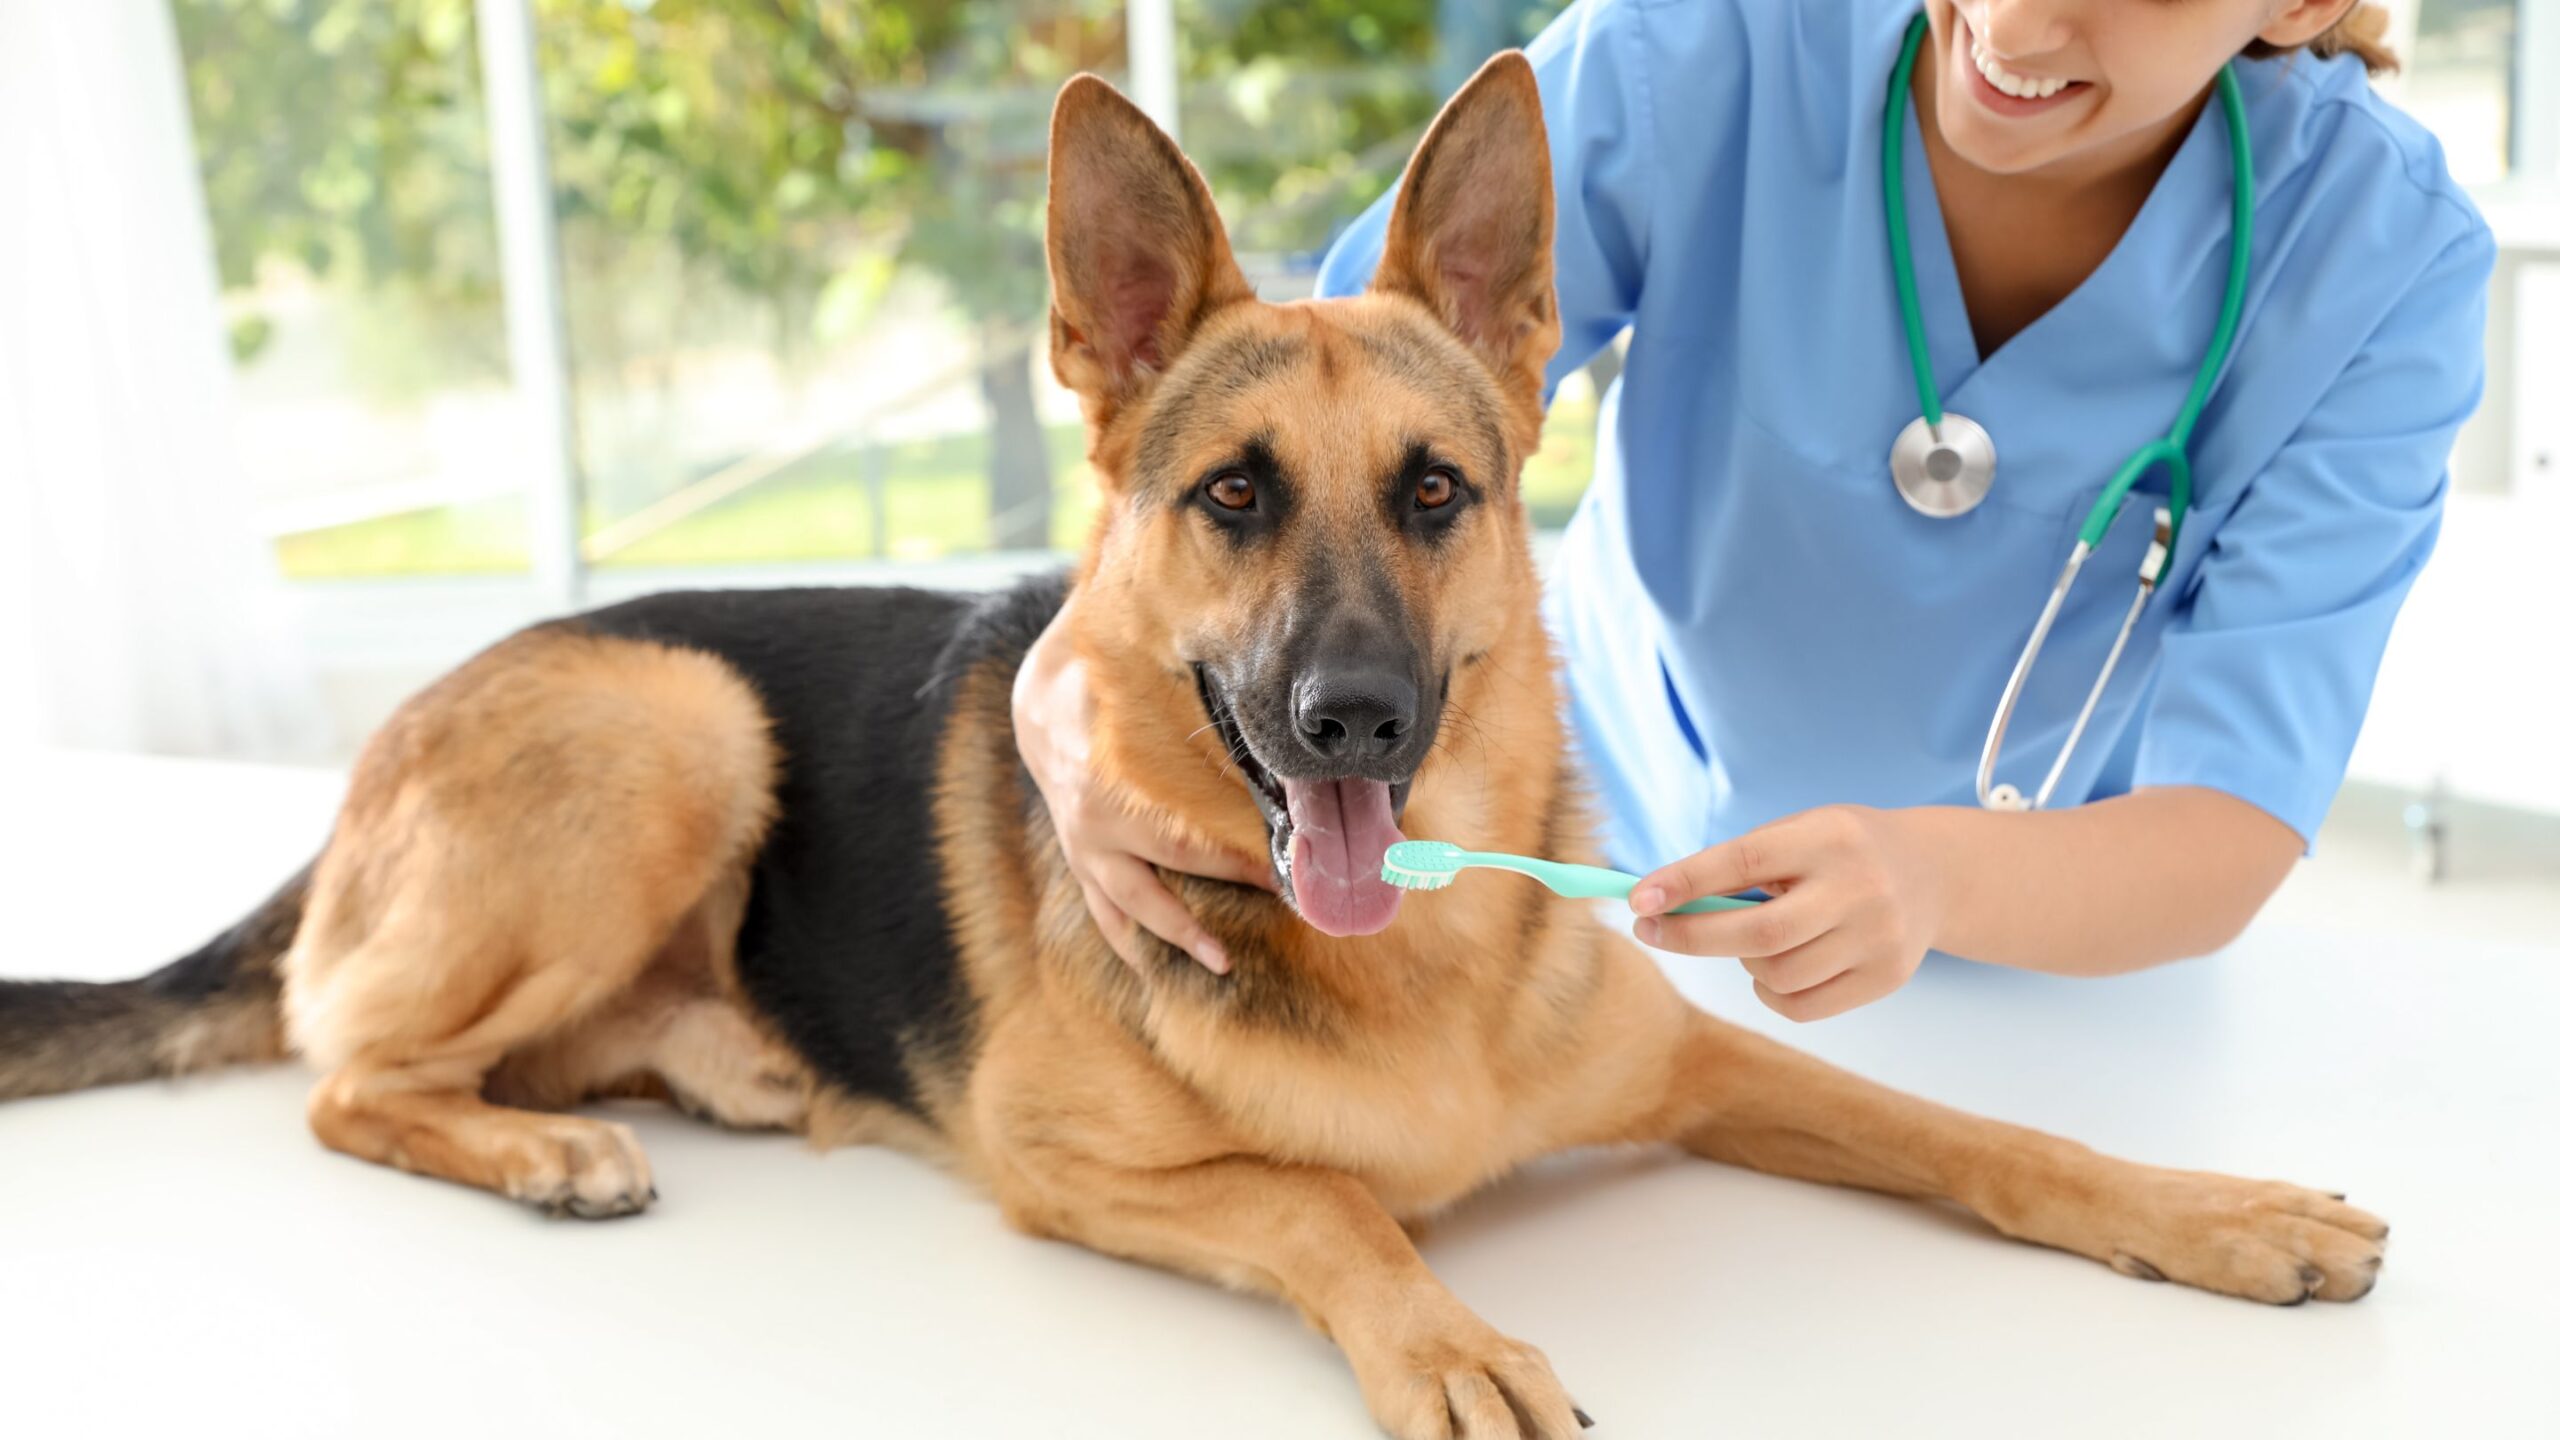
2358 33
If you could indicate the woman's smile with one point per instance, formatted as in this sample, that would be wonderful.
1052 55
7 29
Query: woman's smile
2005 91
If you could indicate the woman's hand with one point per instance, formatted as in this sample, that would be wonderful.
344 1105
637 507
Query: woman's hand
1862 895
1112 853
1856 904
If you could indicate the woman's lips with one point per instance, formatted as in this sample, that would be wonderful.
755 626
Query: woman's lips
1994 99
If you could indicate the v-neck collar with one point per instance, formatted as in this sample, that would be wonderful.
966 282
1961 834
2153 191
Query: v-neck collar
1959 362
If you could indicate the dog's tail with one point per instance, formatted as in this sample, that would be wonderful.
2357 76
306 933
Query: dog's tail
218 1006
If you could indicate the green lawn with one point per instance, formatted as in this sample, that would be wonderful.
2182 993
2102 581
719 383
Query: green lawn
820 508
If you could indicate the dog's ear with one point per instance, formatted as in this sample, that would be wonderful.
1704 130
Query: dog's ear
1137 258
1473 235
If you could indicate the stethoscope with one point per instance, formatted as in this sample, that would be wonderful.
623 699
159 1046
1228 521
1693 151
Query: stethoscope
1943 462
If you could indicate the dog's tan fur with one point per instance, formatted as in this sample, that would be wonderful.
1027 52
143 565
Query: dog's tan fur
515 912
509 907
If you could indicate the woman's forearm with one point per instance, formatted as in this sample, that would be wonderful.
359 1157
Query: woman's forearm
2099 889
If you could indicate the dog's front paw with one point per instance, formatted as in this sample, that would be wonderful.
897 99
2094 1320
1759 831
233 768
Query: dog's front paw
571 1165
1452 1377
2258 1239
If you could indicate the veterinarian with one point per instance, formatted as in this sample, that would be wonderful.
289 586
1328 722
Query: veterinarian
1785 644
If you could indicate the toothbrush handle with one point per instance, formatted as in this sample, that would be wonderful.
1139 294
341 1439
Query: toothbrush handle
1591 882
1705 903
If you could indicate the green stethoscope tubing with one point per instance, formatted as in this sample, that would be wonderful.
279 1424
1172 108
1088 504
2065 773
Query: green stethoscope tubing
2169 450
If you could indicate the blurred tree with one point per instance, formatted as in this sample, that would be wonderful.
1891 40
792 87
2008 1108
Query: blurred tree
795 144
804 151
1301 112
785 144
343 138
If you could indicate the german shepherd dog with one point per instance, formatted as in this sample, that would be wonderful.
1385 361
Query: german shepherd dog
772 855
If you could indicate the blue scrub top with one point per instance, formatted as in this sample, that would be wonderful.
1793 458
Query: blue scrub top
1755 623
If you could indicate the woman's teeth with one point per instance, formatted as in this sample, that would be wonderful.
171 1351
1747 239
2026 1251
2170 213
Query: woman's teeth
2017 86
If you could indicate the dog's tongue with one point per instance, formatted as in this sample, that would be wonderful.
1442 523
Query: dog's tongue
1339 831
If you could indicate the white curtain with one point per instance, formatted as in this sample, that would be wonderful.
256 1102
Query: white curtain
139 609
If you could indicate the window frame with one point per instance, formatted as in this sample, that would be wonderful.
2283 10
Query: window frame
344 613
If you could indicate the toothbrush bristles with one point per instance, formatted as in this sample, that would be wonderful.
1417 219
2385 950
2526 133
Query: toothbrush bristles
1413 880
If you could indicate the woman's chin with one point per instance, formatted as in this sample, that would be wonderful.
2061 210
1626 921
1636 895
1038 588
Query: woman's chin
1996 146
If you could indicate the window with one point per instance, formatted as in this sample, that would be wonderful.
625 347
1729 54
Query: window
798 255
344 161
2461 83
797 251
802 258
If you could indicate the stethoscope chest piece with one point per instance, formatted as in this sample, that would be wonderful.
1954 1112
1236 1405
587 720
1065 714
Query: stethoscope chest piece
1943 471
1944 468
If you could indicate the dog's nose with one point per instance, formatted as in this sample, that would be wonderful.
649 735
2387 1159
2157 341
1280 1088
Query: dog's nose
1356 716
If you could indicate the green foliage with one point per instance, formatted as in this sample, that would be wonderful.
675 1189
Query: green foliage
342 135
759 173
249 335
1302 112
342 138
781 143
786 144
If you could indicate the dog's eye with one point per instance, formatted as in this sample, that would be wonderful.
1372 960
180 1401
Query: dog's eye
1232 489
1438 488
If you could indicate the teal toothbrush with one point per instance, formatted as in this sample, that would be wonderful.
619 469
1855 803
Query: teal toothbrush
1432 864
